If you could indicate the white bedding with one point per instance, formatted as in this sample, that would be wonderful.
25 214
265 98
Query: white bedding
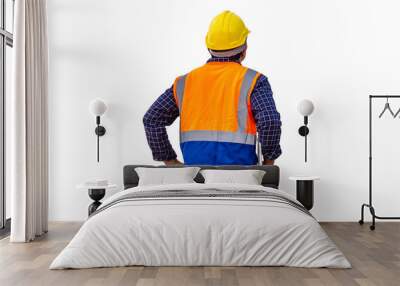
200 231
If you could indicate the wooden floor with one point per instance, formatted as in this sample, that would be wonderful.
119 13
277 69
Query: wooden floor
375 257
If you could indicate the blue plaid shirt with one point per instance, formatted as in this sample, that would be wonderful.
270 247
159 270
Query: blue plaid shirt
164 111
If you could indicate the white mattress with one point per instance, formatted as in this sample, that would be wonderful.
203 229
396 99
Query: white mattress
200 231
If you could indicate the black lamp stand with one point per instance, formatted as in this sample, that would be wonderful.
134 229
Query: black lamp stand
100 131
304 131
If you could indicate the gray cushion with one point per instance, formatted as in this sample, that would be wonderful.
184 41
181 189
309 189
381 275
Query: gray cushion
166 176
270 179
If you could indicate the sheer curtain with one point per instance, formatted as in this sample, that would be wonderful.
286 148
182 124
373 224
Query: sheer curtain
28 123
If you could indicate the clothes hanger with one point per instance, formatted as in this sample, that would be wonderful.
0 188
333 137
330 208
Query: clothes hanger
387 107
397 113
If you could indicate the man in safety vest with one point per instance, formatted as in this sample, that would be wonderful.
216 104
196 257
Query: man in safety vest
221 105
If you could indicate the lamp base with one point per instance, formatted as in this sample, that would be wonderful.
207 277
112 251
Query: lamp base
303 130
100 130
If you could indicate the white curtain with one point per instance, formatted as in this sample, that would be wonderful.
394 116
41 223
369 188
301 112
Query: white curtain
28 123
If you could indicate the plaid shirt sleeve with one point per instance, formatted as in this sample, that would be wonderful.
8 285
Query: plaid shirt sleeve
267 119
161 113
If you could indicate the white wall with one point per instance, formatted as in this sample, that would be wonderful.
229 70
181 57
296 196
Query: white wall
129 52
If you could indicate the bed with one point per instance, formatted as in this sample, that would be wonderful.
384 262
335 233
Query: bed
201 224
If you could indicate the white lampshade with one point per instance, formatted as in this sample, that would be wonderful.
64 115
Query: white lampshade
305 107
97 107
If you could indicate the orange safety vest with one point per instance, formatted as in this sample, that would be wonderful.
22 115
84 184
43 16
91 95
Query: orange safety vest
216 123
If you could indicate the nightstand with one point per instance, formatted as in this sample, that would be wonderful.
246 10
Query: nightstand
96 193
305 190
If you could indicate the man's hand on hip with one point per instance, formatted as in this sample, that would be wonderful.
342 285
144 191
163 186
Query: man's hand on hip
173 162
268 162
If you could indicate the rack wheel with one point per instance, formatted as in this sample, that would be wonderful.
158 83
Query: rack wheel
372 227
361 222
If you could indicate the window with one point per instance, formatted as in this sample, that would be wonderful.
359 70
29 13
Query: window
6 44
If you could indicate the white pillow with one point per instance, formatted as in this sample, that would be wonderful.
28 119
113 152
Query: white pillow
166 176
248 177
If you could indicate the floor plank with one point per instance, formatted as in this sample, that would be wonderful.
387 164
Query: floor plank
375 257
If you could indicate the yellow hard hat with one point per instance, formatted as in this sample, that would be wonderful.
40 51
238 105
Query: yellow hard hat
227 31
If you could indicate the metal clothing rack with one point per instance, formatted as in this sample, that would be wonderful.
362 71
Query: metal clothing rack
370 205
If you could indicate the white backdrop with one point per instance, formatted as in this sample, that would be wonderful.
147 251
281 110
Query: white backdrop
128 52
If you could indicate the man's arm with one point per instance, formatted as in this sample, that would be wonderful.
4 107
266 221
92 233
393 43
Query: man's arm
267 120
161 113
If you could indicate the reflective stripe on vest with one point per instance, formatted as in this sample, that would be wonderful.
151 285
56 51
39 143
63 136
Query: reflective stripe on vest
240 136
180 88
217 136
